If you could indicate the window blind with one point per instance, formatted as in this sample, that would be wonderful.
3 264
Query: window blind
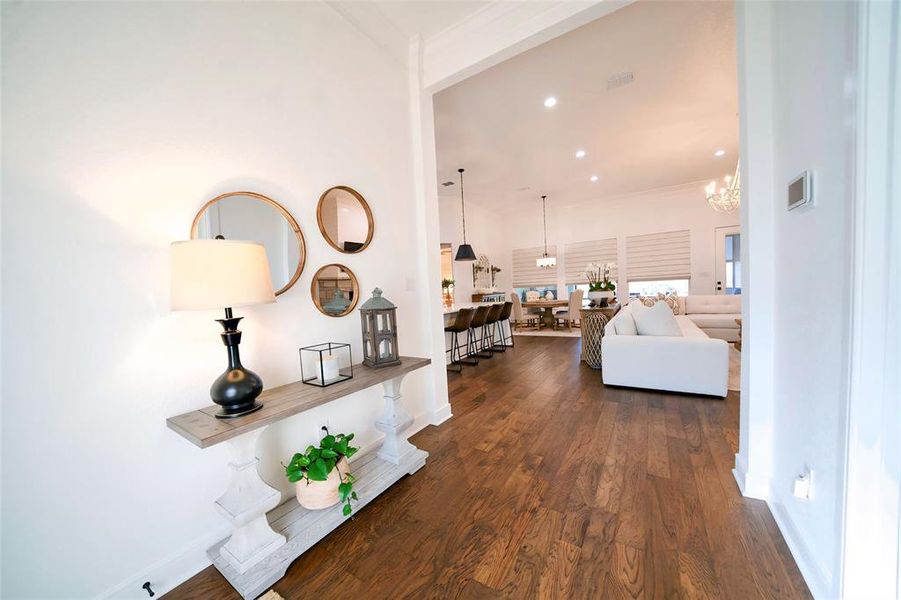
664 255
526 273
580 254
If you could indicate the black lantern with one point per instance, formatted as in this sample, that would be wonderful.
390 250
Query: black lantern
379 317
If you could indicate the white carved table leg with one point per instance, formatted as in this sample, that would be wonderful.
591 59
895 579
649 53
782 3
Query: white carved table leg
245 504
393 423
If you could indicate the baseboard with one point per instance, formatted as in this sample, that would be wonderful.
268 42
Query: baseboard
169 572
751 485
441 415
818 578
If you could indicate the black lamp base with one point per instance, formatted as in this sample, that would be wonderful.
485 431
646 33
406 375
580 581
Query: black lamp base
225 413
236 390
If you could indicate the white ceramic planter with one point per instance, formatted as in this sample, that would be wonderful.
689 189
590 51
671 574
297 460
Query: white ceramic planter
316 495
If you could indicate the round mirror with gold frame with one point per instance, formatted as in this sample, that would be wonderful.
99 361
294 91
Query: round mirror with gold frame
335 290
252 216
345 219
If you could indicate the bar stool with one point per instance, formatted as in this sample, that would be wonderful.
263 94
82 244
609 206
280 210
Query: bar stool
506 312
461 323
494 315
476 346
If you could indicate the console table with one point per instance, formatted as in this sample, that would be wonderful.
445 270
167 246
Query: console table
267 535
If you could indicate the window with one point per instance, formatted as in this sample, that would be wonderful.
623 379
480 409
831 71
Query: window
733 264
541 289
660 286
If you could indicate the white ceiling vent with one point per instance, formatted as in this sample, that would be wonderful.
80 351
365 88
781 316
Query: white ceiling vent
619 80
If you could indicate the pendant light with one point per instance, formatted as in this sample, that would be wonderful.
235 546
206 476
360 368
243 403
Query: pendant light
465 251
545 262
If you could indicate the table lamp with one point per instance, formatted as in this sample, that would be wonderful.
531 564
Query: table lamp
209 274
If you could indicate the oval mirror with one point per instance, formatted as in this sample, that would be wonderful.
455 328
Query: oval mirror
335 290
345 219
252 216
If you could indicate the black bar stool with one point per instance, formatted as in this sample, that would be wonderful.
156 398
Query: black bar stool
506 312
477 346
494 314
461 323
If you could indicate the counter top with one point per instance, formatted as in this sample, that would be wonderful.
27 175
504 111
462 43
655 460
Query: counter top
455 308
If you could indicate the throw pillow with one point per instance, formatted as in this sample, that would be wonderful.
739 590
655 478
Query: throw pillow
648 301
674 302
657 320
625 324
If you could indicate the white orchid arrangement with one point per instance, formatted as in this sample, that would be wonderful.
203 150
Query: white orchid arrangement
599 277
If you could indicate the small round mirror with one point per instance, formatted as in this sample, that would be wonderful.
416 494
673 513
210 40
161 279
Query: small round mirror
252 216
345 219
335 290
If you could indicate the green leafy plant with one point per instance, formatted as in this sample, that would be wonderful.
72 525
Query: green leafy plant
447 283
316 463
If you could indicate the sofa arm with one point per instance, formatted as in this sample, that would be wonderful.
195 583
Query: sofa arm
694 365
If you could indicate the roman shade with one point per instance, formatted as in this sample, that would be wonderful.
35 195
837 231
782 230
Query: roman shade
655 256
579 255
526 273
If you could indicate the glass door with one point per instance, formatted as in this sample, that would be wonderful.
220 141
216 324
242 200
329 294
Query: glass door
728 260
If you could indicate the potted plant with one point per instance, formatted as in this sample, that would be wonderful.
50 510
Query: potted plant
446 285
321 474
600 287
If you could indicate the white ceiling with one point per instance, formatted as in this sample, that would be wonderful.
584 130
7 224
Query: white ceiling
660 130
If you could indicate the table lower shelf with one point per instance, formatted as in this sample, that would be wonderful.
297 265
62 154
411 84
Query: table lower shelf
302 528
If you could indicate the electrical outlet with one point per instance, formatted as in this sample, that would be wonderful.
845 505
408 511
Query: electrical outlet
323 429
803 485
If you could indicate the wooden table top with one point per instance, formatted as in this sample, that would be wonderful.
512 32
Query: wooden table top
545 303
203 429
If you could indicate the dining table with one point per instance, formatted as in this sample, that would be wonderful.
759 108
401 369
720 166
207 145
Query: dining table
547 318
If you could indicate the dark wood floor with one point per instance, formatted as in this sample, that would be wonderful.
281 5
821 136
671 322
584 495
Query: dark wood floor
546 484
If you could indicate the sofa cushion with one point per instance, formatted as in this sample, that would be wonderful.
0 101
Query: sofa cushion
716 320
656 320
624 324
712 304
689 328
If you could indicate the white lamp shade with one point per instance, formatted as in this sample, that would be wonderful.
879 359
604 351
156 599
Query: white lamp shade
210 274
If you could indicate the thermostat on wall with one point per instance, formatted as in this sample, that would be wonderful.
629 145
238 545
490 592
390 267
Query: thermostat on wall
799 192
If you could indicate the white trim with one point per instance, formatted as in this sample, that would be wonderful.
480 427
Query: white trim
751 485
441 414
500 31
817 577
872 501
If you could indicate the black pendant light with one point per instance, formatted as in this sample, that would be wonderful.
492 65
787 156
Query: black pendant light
464 252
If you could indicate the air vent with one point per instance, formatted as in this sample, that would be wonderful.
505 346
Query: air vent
447 183
619 80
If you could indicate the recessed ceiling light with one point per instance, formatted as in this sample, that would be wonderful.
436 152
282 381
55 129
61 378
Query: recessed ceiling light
719 153
580 154
594 179
550 102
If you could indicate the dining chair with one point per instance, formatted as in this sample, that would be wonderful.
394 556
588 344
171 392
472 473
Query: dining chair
520 318
461 323
571 314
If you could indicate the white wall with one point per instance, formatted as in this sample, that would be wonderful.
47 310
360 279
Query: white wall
487 232
810 106
667 209
120 121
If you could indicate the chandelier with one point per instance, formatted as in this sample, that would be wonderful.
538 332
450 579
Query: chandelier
545 262
726 198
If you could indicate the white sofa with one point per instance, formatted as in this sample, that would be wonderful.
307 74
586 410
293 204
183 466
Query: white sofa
693 362
715 315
